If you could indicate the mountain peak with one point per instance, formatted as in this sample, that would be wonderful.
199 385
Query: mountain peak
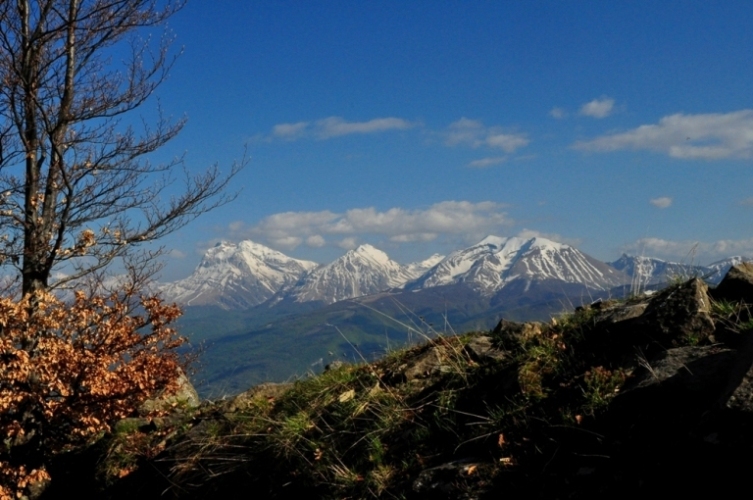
237 275
362 271
496 241
492 263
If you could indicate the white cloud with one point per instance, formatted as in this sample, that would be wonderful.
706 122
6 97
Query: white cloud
558 113
662 202
690 252
598 108
410 238
315 241
506 142
747 202
530 233
487 162
335 126
473 133
348 243
464 131
177 254
708 136
287 242
457 218
289 130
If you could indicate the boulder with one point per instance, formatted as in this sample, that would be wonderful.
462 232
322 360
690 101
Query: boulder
681 380
245 400
509 334
184 397
481 349
678 315
619 313
430 363
737 284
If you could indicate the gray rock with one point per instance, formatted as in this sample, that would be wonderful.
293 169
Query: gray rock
480 348
683 383
246 399
510 334
621 313
737 285
184 397
427 364
679 314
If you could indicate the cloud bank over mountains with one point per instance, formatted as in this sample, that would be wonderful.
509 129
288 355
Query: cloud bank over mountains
457 218
689 137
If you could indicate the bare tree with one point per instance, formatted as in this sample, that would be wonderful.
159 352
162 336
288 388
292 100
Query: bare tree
76 186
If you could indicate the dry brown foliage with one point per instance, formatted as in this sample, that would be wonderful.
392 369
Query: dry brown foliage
70 370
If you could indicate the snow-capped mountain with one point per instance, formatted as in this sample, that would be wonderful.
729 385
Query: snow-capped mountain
417 269
236 276
494 262
645 271
362 271
650 271
716 271
243 275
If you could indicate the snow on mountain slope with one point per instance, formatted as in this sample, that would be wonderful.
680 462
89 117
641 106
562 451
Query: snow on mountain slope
243 275
715 272
493 262
416 269
650 271
362 271
236 276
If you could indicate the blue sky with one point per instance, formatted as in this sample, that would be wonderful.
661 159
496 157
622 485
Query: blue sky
422 126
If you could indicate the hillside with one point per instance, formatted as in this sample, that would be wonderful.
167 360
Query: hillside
617 398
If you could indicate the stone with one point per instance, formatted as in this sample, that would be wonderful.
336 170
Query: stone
480 348
618 314
246 399
510 334
678 315
184 397
737 284
425 365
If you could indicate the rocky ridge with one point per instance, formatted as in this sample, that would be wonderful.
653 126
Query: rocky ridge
618 398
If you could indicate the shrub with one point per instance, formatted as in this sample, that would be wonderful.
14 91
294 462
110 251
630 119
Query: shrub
70 371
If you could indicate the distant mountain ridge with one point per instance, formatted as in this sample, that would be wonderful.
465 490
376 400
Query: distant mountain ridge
248 274
362 271
237 276
646 271
494 262
280 316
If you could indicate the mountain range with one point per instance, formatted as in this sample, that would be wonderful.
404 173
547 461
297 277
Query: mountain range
259 315
248 274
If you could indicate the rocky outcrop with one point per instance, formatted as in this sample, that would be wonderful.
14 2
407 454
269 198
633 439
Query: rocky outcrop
184 397
621 398
737 284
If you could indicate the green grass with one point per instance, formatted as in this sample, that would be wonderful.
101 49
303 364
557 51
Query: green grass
361 430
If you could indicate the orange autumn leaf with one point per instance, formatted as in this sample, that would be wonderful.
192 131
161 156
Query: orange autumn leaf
77 367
